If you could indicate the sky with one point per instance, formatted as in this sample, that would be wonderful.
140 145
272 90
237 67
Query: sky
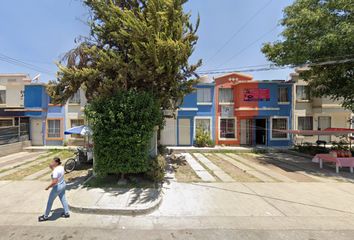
231 34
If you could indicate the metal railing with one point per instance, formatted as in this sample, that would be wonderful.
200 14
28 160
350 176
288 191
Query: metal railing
14 134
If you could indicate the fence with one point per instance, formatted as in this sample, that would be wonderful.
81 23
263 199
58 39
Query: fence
14 134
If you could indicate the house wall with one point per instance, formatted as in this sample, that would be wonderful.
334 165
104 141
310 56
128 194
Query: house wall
36 99
75 111
55 112
251 110
316 107
191 110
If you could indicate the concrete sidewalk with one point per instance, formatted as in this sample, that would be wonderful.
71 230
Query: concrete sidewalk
114 201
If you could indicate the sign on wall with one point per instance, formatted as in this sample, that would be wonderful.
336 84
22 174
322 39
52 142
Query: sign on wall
256 94
227 111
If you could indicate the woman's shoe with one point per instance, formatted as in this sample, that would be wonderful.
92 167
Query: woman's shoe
42 218
65 215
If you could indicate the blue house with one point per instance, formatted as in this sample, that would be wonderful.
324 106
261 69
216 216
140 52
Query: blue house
277 112
196 112
36 106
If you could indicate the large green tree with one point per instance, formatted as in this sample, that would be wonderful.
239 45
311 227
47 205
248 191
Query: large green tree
141 45
319 33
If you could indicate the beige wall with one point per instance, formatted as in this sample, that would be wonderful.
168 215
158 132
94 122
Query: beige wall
14 86
317 107
75 111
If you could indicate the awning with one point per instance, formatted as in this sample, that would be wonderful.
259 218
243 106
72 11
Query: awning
327 131
82 130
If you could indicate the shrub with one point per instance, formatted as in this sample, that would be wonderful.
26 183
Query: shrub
156 170
122 127
341 145
203 139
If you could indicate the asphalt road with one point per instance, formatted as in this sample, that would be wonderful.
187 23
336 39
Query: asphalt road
60 233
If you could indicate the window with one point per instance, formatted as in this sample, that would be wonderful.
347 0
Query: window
204 95
6 123
279 124
75 98
203 125
305 123
76 123
302 93
283 94
53 129
225 95
2 96
227 128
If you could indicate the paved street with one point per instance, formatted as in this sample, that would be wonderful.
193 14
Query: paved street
221 209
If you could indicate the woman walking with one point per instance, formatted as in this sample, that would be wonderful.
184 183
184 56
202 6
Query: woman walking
58 186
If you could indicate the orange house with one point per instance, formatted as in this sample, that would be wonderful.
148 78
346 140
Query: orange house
229 110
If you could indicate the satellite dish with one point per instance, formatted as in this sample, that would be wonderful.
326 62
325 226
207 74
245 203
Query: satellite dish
36 78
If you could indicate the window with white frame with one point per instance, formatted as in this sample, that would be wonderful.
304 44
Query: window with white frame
283 94
53 128
226 95
6 122
279 124
305 123
75 98
302 93
203 124
203 95
227 128
2 96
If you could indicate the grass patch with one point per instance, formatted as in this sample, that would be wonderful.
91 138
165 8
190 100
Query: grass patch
42 156
207 169
111 181
237 174
183 172
24 172
253 150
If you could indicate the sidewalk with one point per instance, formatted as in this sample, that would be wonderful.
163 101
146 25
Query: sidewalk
114 201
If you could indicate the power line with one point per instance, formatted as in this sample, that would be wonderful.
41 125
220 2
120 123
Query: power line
248 46
238 31
273 67
17 62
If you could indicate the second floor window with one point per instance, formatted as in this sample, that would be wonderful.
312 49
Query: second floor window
203 95
2 96
302 93
226 95
283 94
75 98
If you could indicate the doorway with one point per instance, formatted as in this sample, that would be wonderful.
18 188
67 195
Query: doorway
261 131
184 132
323 123
36 132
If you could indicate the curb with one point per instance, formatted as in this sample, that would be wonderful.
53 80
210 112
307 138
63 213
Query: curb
119 211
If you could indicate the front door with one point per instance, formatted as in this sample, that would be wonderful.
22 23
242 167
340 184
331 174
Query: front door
323 123
261 131
36 132
184 131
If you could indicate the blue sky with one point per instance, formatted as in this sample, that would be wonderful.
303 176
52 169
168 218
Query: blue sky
39 32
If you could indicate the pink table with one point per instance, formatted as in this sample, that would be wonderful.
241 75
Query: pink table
340 162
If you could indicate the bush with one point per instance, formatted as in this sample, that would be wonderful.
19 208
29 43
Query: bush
123 126
311 150
203 139
156 172
341 145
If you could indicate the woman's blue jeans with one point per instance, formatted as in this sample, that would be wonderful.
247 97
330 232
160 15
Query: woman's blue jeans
57 191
